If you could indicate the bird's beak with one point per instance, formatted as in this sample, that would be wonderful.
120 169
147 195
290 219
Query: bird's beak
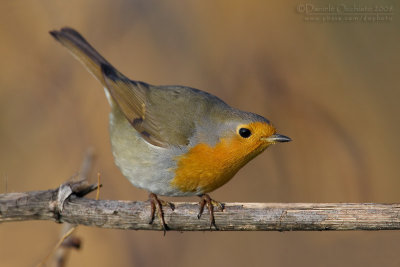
275 138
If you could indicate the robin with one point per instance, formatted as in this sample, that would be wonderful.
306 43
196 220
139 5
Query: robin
173 140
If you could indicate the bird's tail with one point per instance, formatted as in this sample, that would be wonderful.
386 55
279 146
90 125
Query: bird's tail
83 51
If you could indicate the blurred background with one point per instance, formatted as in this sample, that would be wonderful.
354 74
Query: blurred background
331 86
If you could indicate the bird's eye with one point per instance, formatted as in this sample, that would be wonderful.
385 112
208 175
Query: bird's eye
244 132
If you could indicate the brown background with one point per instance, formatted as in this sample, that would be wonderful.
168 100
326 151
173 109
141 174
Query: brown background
332 87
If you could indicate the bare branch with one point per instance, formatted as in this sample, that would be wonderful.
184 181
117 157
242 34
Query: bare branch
42 205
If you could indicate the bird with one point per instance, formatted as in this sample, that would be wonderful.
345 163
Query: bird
173 140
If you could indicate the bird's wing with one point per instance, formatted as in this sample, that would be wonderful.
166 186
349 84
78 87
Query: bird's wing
149 109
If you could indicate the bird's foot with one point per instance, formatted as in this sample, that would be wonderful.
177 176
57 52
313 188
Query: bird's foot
156 204
206 200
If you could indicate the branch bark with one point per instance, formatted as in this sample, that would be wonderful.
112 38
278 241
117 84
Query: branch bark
44 205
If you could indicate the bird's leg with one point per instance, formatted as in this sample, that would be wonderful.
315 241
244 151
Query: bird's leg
206 200
157 203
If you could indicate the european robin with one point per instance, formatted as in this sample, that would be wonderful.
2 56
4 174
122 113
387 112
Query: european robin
173 140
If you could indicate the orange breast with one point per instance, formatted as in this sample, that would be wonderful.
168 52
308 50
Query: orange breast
204 168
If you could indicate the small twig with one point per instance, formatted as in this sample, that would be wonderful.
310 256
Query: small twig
70 241
67 234
98 186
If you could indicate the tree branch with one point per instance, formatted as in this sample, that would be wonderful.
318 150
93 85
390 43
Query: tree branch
44 205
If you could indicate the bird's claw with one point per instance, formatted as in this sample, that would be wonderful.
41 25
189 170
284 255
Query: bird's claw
156 204
210 203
